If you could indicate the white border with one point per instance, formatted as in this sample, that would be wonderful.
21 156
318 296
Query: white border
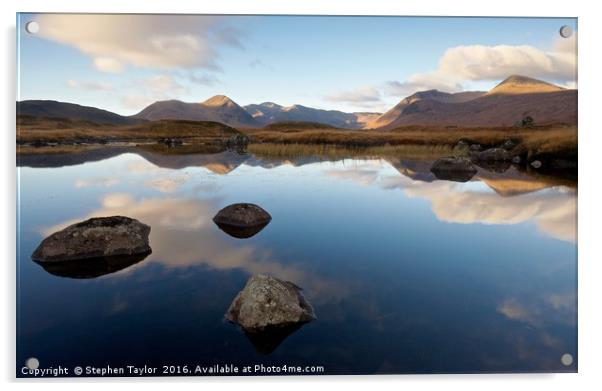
590 141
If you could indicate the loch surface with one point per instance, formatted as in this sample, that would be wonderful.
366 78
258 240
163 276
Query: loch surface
406 273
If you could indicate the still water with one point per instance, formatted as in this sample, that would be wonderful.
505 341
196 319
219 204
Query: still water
407 274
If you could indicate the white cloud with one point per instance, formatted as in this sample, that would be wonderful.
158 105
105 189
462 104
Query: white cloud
478 62
147 41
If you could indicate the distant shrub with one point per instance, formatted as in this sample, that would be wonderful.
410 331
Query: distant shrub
527 122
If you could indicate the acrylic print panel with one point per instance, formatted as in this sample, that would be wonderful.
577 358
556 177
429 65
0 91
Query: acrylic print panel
295 195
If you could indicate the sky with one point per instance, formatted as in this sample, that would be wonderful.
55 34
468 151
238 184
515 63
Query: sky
122 63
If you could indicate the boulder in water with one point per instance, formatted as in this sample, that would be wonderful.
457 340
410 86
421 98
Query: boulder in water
95 238
267 303
242 220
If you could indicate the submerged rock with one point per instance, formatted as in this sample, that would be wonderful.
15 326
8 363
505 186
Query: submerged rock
95 238
242 220
536 164
266 342
267 303
458 169
241 232
92 268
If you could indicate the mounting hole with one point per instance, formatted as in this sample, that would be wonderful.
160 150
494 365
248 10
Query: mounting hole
566 31
566 359
32 363
32 27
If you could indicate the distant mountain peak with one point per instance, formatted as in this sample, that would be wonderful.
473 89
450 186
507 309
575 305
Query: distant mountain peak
219 100
518 84
520 79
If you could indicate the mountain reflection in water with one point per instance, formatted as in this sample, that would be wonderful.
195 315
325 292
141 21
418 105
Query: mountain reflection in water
401 267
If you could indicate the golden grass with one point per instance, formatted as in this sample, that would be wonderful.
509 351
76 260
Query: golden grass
539 140
410 140
332 151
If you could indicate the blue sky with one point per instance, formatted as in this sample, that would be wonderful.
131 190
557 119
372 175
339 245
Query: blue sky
122 63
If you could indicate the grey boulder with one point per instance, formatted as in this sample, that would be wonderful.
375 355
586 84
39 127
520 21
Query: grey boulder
267 303
242 220
98 237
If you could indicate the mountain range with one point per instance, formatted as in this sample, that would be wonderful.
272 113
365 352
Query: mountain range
269 113
504 105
